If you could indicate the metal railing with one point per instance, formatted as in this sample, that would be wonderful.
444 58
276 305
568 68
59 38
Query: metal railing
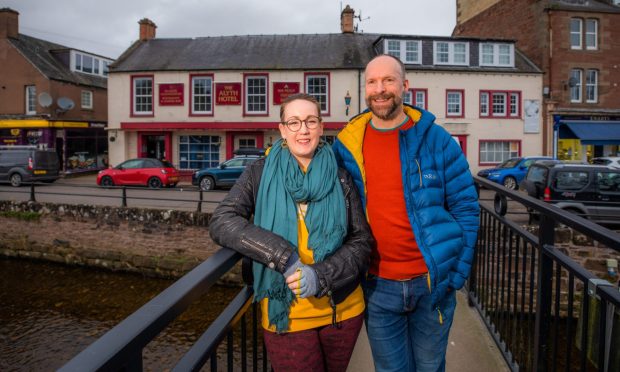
544 310
121 347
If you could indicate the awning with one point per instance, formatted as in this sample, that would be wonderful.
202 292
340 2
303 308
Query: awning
591 132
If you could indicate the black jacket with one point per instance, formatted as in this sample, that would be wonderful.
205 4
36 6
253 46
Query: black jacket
339 274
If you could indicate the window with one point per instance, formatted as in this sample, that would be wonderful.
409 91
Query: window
318 87
591 86
256 95
451 53
106 70
493 54
202 95
416 97
500 104
515 98
591 34
575 33
87 99
197 152
454 104
89 64
245 143
575 81
484 104
142 95
578 37
408 51
31 100
494 152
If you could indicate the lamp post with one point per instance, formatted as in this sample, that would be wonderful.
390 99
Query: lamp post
347 102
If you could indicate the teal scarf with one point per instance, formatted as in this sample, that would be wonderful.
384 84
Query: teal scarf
283 185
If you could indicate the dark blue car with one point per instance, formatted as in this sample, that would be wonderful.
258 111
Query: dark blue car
511 172
224 175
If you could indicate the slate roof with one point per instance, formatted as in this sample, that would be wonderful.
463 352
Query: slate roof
41 54
584 6
281 52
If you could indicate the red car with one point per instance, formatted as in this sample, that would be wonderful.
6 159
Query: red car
143 171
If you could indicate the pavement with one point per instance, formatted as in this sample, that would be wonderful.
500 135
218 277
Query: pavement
470 346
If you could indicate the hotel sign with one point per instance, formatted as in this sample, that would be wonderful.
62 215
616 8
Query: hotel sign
171 94
228 93
283 90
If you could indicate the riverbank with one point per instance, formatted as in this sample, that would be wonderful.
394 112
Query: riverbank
155 243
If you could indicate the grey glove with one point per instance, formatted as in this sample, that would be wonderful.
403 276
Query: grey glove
308 283
292 265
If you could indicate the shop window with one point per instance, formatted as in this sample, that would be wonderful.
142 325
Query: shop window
87 99
86 150
256 95
31 100
142 88
198 152
495 152
317 85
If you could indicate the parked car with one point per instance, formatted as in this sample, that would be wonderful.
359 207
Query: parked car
19 164
225 174
592 191
511 172
153 173
610 161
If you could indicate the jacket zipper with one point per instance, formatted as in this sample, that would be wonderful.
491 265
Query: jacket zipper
257 247
333 305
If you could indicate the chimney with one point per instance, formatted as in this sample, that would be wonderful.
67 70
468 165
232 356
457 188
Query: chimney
346 20
147 29
9 23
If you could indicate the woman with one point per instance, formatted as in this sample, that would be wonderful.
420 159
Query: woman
309 240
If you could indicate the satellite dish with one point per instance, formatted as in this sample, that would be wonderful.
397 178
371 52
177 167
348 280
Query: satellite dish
45 100
65 103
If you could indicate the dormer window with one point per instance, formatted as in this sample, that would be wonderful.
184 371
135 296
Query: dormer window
408 51
88 64
451 53
497 54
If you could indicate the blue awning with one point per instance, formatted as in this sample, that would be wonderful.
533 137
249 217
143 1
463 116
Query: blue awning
591 132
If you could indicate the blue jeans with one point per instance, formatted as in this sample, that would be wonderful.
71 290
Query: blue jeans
405 331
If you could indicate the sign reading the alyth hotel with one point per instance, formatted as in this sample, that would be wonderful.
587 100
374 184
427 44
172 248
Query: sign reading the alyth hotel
171 94
228 93
283 90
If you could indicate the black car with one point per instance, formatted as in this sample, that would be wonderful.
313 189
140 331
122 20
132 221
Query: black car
224 175
19 164
591 191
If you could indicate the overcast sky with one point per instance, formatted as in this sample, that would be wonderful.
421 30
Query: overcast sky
109 27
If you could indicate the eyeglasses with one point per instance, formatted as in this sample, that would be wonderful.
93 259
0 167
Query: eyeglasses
294 124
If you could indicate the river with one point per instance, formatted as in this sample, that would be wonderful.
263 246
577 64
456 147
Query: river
50 312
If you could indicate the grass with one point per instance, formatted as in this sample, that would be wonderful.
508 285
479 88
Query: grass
24 216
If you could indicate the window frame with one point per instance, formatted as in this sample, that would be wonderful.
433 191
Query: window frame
402 50
132 98
508 105
588 84
578 87
265 78
413 93
461 92
496 55
586 33
579 33
192 111
90 95
518 142
327 77
30 97
451 53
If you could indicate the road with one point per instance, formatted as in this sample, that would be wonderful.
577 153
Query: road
83 190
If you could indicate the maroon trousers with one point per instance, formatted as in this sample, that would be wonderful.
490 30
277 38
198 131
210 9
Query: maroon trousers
320 349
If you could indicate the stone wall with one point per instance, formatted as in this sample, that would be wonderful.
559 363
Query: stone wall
162 243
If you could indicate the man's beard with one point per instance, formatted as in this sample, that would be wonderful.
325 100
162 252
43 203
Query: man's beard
389 112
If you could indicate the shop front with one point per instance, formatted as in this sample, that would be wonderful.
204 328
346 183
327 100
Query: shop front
581 138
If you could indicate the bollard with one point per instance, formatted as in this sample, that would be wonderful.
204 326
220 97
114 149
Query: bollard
199 209
124 203
32 198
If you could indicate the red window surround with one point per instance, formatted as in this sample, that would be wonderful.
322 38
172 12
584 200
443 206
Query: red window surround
244 98
462 93
191 95
131 97
508 105
413 96
329 86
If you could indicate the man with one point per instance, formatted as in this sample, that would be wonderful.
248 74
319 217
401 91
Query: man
423 211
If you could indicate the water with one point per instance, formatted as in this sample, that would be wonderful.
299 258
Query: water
49 313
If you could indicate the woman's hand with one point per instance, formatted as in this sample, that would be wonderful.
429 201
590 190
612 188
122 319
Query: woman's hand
304 282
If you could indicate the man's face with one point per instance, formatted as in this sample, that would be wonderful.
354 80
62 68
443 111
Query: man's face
385 88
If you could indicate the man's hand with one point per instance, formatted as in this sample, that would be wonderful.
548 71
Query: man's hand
304 282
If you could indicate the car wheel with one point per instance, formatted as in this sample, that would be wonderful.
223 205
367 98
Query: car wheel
207 183
510 183
16 179
154 183
107 181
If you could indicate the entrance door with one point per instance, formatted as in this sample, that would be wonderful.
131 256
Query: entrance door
154 146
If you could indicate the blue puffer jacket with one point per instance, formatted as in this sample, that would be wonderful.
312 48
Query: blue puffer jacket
441 200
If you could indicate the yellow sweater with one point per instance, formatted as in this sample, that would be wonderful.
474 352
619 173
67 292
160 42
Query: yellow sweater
312 312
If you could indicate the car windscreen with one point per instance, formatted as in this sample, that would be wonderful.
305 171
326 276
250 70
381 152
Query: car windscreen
167 164
510 163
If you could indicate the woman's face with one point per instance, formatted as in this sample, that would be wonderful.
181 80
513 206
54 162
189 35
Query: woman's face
303 142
